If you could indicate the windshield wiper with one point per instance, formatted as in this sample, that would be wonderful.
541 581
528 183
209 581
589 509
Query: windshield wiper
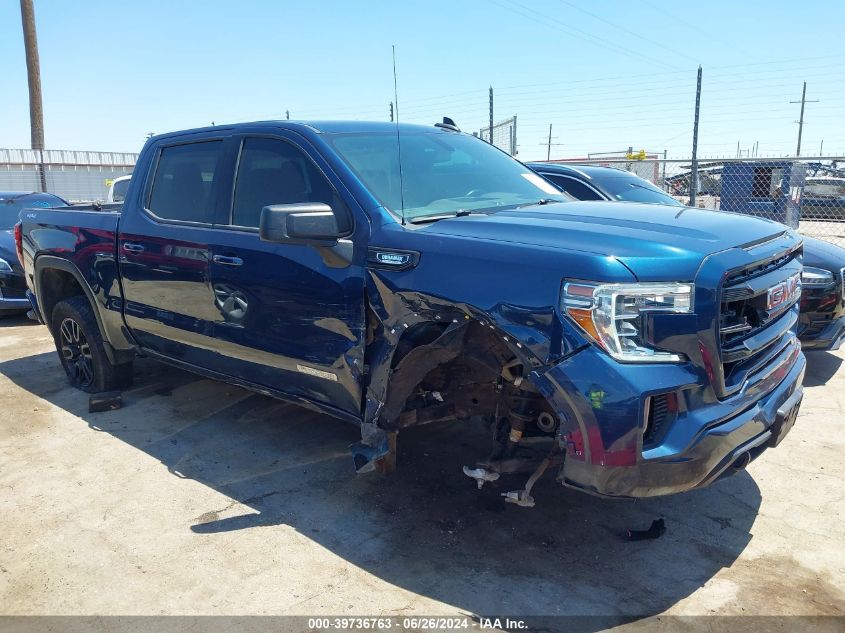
539 203
443 216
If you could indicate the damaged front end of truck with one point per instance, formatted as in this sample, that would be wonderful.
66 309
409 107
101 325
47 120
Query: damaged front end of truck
456 368
697 379
430 360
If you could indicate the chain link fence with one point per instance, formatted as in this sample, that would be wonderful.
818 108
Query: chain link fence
76 176
504 135
807 193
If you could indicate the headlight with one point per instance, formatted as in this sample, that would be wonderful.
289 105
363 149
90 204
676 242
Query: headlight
612 315
4 266
816 276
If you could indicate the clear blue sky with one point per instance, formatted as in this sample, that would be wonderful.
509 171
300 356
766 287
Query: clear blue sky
607 75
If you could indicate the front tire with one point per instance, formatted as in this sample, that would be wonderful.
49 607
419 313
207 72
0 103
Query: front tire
81 349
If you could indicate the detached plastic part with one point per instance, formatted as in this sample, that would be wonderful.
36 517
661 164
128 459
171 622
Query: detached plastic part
658 527
480 475
520 498
375 445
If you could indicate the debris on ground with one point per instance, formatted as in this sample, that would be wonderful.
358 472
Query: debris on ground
107 401
658 527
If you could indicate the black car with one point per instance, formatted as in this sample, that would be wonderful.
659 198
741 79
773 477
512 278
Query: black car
822 319
821 323
589 182
12 285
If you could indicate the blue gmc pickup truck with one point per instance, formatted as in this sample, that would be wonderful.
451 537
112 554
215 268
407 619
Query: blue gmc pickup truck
394 276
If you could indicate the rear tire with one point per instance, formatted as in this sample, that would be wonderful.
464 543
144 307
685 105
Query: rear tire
81 349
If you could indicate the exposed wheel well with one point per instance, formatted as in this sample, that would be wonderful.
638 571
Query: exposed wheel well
56 285
442 371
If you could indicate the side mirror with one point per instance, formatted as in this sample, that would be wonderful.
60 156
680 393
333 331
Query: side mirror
307 222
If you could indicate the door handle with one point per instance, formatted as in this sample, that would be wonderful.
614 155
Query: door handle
226 260
131 247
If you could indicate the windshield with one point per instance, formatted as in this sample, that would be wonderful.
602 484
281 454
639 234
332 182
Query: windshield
10 208
119 190
442 173
824 187
631 188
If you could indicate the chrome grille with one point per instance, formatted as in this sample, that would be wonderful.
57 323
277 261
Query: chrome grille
751 328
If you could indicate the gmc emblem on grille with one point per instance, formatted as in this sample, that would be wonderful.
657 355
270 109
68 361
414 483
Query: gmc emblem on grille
785 292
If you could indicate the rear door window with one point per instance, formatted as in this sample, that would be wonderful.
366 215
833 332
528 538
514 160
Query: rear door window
183 182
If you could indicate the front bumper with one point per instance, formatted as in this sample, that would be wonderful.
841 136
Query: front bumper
605 455
830 337
12 293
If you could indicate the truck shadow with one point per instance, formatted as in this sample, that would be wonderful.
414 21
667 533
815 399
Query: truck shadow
16 320
821 366
425 528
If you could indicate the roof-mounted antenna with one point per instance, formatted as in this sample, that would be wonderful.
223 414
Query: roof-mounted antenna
398 143
448 124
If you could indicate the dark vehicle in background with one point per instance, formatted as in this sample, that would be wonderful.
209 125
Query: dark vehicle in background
12 284
594 183
822 320
299 260
821 324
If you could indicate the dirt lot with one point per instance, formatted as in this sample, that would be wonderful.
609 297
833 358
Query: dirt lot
200 498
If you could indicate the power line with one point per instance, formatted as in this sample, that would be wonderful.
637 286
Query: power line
571 30
628 31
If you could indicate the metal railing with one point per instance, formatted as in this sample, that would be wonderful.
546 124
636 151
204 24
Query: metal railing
504 135
76 176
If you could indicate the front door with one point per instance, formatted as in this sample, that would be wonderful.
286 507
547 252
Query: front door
291 316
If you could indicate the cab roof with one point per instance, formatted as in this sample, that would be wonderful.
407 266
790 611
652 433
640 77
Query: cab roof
319 127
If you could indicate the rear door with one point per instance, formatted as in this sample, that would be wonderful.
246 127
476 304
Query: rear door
163 249
290 316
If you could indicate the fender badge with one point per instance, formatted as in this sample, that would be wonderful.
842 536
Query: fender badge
393 259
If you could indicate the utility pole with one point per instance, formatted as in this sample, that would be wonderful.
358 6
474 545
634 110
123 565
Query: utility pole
549 150
391 112
663 180
33 76
821 148
287 115
801 119
694 171
491 115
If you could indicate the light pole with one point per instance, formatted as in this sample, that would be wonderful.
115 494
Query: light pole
33 76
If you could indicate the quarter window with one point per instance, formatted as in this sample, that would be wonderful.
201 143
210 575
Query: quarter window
272 171
183 182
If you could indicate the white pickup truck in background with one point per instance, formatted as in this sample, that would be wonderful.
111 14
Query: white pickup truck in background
117 189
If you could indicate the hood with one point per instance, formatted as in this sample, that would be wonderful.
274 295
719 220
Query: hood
654 241
821 254
7 250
